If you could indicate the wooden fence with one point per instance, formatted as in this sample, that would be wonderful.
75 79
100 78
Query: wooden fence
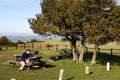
59 47
39 46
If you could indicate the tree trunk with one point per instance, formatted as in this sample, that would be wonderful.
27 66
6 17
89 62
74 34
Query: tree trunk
82 53
94 55
75 55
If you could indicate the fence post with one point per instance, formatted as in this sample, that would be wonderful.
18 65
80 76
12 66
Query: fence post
98 50
16 46
7 47
111 51
40 46
24 46
48 46
32 45
65 46
57 47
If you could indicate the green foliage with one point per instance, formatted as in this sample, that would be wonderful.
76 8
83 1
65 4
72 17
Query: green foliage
48 45
92 21
19 42
101 26
33 40
59 17
4 41
71 18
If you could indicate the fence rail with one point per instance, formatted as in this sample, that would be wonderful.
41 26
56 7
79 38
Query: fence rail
59 47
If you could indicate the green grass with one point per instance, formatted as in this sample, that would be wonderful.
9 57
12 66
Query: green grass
72 70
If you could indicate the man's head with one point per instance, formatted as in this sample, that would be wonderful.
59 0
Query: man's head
28 51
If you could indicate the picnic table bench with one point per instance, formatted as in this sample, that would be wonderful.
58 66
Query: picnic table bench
62 54
35 60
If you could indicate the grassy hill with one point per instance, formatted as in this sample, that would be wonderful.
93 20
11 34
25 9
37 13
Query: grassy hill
72 70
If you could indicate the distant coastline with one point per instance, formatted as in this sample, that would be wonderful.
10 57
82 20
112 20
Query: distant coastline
26 36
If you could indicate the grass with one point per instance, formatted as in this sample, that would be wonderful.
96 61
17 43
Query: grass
72 70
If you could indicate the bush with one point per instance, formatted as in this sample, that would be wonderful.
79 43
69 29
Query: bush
33 40
48 45
4 41
19 42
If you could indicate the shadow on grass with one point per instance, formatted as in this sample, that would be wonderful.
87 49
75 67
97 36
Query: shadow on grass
71 78
49 66
44 67
103 58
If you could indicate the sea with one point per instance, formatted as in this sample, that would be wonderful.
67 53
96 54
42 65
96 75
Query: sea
16 37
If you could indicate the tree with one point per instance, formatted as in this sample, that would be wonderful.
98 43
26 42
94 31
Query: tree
114 32
61 17
85 20
4 41
101 20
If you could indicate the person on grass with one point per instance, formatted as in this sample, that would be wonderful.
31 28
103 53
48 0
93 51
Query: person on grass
25 58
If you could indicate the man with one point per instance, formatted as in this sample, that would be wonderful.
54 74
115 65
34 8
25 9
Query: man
25 58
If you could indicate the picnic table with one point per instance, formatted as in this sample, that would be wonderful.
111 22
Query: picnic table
35 60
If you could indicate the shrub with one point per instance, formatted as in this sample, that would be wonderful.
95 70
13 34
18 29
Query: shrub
48 45
4 41
33 40
19 42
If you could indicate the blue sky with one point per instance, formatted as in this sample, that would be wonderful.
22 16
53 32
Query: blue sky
14 14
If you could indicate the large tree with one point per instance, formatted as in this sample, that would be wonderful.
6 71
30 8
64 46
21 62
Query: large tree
85 20
61 17
102 25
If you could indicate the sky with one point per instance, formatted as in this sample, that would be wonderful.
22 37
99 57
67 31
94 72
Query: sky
14 14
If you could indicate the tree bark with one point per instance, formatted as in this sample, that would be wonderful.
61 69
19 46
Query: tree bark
75 55
82 53
73 52
94 55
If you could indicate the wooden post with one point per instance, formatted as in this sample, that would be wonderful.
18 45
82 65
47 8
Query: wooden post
108 66
61 74
57 47
7 47
16 46
65 46
24 46
12 79
48 46
40 46
111 52
98 50
87 72
32 45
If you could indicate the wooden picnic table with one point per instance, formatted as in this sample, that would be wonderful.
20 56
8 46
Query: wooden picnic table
36 60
